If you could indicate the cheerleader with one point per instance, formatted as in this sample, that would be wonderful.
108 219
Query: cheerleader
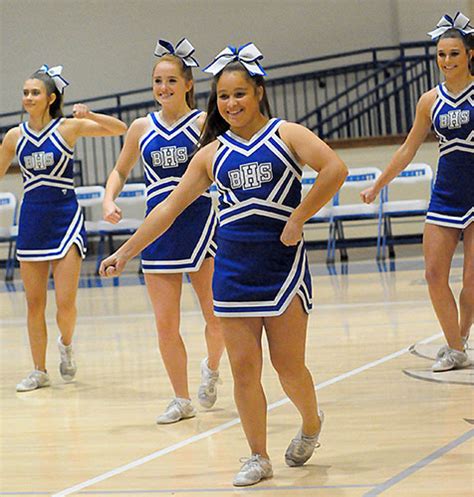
261 279
51 230
449 108
166 140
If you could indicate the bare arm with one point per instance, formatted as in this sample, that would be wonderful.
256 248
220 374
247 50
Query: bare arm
117 178
194 182
407 151
7 150
88 123
311 150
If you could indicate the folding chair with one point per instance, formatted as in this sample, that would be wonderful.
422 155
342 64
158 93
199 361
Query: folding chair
8 230
410 180
343 210
132 201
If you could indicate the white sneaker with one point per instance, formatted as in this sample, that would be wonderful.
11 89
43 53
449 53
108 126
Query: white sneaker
36 379
207 393
67 366
254 469
301 448
442 351
452 359
177 410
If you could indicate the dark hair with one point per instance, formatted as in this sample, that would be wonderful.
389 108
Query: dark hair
467 40
56 108
215 124
186 72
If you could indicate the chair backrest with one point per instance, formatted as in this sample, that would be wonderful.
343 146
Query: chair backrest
400 188
415 173
87 196
8 210
357 180
132 193
307 181
132 200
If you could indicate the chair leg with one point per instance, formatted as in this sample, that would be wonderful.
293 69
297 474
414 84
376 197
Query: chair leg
330 251
342 239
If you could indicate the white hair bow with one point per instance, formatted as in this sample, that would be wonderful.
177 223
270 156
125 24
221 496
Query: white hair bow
248 55
460 22
184 50
55 74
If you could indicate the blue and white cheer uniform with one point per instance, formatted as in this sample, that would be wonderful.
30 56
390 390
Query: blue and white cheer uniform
259 185
166 152
452 200
51 220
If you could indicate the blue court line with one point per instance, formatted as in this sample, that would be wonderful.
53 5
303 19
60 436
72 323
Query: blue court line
419 465
199 490
214 490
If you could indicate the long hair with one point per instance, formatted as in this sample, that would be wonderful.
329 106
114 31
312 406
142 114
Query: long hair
215 124
467 40
186 72
56 108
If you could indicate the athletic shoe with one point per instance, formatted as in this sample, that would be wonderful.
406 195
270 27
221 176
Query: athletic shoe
207 393
254 469
452 359
301 448
177 410
36 379
67 366
442 351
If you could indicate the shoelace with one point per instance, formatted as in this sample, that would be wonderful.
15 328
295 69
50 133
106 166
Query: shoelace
250 462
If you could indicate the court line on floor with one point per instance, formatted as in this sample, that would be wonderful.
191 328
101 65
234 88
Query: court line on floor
111 316
229 424
419 465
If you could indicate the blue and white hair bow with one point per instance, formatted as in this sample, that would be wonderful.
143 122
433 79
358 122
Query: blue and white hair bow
55 74
248 55
460 22
183 50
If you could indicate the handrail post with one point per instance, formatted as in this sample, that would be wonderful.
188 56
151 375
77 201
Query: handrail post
406 92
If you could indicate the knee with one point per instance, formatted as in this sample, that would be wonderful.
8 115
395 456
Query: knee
435 277
244 372
468 285
168 331
65 306
288 369
36 304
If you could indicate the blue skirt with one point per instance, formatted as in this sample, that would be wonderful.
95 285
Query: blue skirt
47 230
188 241
259 278
452 200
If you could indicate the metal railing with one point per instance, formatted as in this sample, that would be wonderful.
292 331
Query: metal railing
362 93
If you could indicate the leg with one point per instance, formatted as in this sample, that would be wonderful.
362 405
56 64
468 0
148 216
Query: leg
439 244
286 336
202 284
466 299
66 272
35 280
243 343
164 291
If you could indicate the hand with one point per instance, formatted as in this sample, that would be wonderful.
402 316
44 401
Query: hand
111 212
80 111
113 265
368 195
292 232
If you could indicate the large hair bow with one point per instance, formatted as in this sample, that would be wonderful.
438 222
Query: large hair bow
248 55
460 22
184 50
55 74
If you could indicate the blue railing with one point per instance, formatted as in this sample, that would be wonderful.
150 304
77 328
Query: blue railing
362 93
